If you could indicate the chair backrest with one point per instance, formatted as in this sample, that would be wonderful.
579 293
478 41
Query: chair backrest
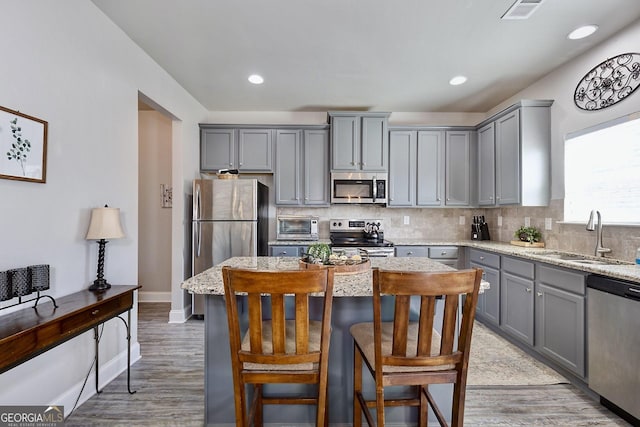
258 285
428 287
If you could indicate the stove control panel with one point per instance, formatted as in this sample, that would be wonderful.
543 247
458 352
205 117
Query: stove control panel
337 225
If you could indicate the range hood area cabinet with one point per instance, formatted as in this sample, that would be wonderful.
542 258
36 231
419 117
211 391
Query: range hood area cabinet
359 141
431 168
247 149
514 156
302 167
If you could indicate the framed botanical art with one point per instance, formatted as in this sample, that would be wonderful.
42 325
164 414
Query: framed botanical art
23 147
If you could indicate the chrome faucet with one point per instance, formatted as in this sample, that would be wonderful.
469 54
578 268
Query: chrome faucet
599 251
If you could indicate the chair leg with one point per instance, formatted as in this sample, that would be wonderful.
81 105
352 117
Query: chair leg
357 386
379 405
240 399
459 391
321 407
257 421
423 408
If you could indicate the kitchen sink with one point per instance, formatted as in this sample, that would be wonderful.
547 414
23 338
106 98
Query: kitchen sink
583 259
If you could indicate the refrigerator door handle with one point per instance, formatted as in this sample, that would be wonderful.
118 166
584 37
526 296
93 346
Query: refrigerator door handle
196 206
198 237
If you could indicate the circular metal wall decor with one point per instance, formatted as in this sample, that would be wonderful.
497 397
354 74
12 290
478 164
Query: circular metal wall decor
608 82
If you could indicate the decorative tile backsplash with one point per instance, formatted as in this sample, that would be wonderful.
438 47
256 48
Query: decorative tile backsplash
445 224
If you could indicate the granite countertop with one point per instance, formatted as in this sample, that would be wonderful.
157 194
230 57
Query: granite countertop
614 268
345 285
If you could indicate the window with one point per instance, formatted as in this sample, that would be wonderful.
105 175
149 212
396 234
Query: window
602 171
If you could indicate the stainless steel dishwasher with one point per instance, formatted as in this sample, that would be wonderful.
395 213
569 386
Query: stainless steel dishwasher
613 330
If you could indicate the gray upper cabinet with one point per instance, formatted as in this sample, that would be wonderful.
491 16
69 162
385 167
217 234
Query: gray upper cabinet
302 167
359 141
288 160
431 168
458 168
402 168
486 166
217 149
316 167
507 129
248 150
254 150
421 162
520 147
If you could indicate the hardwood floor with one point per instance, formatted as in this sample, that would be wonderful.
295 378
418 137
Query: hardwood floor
169 381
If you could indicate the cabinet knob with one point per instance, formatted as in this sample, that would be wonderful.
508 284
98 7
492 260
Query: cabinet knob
230 164
481 258
443 253
529 290
448 198
409 253
364 163
240 164
283 253
353 163
539 294
490 197
438 199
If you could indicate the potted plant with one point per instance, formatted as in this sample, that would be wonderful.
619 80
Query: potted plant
528 234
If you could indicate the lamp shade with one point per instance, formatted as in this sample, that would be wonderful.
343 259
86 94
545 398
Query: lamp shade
105 224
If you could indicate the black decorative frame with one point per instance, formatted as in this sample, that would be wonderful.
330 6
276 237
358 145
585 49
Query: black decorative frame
609 82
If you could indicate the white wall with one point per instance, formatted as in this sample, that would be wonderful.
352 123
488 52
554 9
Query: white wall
154 235
66 63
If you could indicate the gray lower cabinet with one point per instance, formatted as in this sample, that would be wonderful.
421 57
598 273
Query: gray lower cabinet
488 309
287 250
412 251
445 254
302 167
560 316
516 298
248 150
540 305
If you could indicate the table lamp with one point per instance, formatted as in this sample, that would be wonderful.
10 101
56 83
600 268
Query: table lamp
105 224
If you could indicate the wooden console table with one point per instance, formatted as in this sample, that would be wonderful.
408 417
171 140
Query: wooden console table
31 331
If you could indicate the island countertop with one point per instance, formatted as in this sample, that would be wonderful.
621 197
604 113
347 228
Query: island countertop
345 285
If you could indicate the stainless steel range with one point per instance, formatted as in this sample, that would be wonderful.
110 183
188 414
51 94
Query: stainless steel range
359 235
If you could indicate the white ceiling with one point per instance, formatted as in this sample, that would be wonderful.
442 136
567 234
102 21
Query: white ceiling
382 55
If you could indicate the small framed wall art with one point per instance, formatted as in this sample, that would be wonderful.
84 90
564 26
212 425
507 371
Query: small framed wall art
23 147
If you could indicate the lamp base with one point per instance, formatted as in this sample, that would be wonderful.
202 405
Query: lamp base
99 285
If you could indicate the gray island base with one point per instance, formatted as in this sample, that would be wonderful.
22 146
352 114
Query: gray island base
352 304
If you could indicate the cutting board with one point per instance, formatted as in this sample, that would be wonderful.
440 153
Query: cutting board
527 244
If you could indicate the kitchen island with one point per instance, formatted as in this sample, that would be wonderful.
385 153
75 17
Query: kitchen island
352 304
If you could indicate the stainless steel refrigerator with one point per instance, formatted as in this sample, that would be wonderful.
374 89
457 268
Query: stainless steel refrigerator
230 218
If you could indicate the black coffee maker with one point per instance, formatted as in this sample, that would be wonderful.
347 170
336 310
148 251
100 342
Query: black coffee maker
479 228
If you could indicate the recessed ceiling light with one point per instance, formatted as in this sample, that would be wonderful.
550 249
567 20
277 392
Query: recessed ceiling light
457 80
582 32
256 79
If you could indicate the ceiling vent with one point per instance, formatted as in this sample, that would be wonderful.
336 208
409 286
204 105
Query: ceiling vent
522 9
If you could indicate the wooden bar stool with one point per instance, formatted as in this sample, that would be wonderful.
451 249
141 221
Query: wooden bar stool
407 353
278 350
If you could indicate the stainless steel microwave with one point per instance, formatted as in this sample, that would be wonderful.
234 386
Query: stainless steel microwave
359 187
297 227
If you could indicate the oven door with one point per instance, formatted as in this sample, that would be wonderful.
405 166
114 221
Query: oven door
377 252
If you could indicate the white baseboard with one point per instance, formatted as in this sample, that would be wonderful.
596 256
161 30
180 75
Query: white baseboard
108 372
154 296
180 316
